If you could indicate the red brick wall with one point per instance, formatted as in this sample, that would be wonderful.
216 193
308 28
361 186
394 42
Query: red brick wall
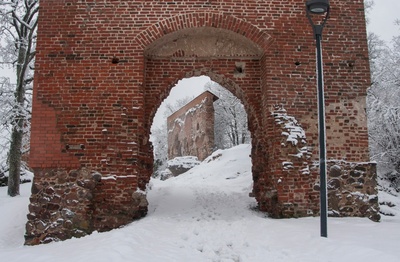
191 128
104 67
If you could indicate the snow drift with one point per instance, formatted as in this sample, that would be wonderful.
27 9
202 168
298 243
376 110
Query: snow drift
206 214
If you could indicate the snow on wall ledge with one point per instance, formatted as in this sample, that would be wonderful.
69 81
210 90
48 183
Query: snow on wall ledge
295 139
288 182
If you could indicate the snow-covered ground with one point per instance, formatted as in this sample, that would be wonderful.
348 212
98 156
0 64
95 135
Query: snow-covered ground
207 215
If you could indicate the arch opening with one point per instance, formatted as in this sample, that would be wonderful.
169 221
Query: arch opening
196 119
195 105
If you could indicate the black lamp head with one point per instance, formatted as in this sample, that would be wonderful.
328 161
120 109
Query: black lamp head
317 6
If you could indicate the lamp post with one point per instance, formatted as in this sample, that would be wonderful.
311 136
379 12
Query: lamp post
318 8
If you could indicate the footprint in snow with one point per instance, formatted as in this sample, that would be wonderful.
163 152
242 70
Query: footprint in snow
185 237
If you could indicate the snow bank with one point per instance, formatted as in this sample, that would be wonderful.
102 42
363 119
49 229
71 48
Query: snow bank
207 215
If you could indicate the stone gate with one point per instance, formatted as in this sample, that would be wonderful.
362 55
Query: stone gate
103 67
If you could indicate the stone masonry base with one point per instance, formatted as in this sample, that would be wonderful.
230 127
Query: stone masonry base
66 204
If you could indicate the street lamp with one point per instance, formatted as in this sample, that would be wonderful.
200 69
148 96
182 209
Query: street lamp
317 8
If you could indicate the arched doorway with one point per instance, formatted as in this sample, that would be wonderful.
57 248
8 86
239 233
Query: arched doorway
235 62
197 118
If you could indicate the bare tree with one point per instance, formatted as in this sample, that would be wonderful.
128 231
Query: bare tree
368 4
160 148
18 41
159 135
178 104
230 118
383 107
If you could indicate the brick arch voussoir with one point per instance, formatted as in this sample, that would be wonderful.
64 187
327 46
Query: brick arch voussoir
203 19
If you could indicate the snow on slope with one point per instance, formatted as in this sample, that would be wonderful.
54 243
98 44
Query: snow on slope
207 215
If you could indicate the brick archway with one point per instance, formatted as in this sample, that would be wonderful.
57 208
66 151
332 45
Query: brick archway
103 68
173 50
211 19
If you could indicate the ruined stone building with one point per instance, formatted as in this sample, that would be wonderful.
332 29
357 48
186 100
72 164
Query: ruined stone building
191 128
104 67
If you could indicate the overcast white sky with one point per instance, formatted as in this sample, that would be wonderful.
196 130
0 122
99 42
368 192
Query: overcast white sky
382 18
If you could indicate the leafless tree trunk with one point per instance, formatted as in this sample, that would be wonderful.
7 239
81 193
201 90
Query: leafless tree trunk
19 18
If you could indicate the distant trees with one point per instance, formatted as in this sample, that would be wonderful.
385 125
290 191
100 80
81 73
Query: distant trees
384 107
18 27
159 135
231 127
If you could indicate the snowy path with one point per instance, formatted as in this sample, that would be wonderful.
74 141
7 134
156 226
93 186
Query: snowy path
207 215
